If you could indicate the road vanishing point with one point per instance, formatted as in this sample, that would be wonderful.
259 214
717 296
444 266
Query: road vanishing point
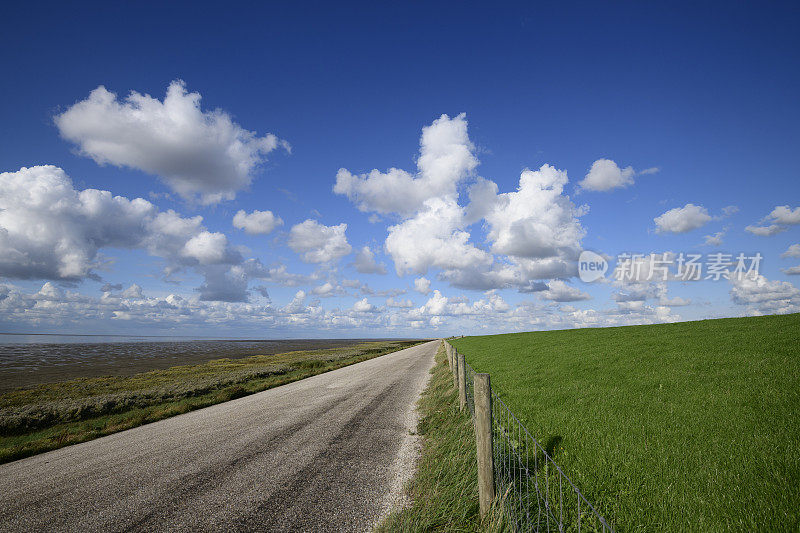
327 453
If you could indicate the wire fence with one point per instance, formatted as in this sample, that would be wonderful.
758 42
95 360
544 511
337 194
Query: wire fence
532 490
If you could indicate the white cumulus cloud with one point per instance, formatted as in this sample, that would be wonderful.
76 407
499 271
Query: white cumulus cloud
50 230
776 222
682 219
714 239
792 251
536 221
257 222
783 214
422 285
134 292
558 291
317 243
605 175
763 296
365 262
435 237
534 231
445 158
363 306
765 231
202 155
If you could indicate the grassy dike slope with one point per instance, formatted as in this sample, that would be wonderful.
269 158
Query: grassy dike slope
692 426
49 416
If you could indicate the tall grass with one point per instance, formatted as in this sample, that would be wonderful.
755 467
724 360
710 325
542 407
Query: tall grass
444 490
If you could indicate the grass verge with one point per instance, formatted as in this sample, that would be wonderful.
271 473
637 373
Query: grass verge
37 419
444 491
674 427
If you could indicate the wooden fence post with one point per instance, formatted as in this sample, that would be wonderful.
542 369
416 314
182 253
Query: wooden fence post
455 368
462 382
483 440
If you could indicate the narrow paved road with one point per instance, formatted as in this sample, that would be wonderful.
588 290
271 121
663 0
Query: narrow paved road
327 453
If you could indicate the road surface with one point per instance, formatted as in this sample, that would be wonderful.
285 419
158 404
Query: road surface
328 453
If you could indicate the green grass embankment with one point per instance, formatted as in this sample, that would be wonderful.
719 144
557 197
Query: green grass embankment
690 426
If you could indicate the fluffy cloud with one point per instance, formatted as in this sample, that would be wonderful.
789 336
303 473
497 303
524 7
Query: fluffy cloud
224 283
434 238
605 175
445 158
682 219
134 291
537 221
714 239
558 291
534 231
280 275
50 230
52 305
207 248
536 225
327 290
365 262
783 214
436 305
422 285
792 251
776 222
363 306
399 303
297 305
629 292
257 222
763 296
201 155
317 243
536 228
765 231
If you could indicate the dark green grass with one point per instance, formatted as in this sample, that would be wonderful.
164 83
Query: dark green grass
692 426
49 416
444 489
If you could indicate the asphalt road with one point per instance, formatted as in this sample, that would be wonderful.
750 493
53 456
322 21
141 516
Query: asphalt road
328 453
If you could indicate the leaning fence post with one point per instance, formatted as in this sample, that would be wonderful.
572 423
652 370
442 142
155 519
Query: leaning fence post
483 441
462 382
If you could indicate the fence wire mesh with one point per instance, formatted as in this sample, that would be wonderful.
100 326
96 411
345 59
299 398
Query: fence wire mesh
533 492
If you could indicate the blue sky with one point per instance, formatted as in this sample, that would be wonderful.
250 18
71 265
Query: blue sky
271 101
